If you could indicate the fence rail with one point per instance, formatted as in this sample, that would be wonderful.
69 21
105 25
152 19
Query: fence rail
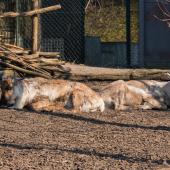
46 26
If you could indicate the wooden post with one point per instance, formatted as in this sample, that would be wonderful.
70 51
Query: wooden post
128 32
17 31
35 47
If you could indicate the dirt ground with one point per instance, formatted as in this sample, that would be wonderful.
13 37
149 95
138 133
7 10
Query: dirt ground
133 140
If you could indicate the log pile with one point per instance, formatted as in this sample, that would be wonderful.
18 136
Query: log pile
40 64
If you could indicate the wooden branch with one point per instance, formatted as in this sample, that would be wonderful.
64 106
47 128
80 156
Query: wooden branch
49 54
24 70
30 57
14 51
13 46
31 13
48 60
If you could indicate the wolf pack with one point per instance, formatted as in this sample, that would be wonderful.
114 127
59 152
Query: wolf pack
42 94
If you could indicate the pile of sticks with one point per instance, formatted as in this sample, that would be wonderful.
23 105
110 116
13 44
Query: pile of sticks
41 64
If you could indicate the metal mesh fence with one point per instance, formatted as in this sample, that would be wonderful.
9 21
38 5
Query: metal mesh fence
7 24
107 19
59 31
64 30
105 29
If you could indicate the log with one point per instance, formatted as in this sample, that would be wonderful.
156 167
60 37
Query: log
13 46
10 48
14 51
30 13
82 72
49 54
58 68
30 57
49 60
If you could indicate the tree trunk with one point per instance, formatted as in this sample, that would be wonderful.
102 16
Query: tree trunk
81 72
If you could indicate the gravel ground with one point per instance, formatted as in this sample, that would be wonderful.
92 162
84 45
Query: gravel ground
110 140
133 140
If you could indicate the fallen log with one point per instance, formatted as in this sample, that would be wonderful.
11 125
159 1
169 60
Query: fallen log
82 72
30 13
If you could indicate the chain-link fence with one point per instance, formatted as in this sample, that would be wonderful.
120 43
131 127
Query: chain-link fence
64 30
106 19
7 33
105 28
59 31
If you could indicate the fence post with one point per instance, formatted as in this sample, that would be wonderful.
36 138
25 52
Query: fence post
128 32
35 46
17 37
141 33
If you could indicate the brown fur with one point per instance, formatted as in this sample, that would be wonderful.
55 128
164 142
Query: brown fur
159 90
27 91
85 99
121 96
6 86
42 104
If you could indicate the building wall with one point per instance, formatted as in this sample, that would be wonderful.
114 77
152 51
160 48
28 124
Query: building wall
109 54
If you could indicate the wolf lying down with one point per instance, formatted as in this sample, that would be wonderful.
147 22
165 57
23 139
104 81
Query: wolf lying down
40 94
147 94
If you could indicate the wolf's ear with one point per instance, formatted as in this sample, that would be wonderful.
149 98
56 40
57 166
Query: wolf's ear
7 83
16 80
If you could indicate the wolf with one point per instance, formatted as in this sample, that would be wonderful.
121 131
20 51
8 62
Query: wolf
75 95
121 95
159 89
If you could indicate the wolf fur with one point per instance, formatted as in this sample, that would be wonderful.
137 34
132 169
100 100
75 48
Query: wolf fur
121 95
26 91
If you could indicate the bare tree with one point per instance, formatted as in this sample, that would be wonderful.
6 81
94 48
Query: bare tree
96 2
165 13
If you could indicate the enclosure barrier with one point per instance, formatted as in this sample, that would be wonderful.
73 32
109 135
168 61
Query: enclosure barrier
37 10
43 27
